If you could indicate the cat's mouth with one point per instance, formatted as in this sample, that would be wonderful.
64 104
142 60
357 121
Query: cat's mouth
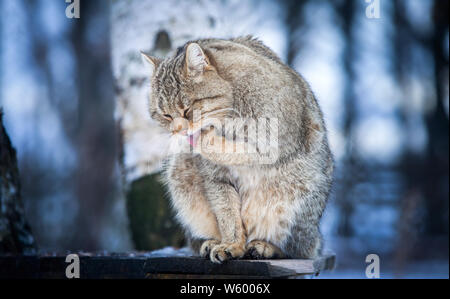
196 130
193 137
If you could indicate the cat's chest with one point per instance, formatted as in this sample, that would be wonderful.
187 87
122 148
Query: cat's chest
248 181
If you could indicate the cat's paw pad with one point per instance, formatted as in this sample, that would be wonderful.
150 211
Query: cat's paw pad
207 246
259 250
226 251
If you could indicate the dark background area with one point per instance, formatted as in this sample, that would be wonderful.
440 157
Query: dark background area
383 85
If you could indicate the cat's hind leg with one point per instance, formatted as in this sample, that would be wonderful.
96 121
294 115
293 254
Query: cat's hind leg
278 223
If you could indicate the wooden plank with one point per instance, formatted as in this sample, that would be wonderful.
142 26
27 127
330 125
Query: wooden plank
303 267
200 266
126 267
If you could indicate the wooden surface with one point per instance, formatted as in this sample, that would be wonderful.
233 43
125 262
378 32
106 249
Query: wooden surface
127 267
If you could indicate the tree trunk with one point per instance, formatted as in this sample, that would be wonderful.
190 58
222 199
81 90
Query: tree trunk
155 28
151 27
346 11
15 234
294 22
436 181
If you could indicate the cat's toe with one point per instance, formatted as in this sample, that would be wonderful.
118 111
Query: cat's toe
223 252
206 247
262 250
253 254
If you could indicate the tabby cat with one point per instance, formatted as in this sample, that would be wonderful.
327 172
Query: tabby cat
234 195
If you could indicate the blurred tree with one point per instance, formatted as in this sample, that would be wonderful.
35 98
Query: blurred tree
83 102
410 201
437 122
15 234
294 22
95 137
351 169
424 206
1 56
40 181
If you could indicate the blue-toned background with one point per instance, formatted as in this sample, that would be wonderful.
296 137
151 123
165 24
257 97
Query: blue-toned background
382 83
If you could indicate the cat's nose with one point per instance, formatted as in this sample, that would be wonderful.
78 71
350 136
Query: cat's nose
180 125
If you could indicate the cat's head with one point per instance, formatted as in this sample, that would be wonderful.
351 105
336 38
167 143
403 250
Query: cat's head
187 91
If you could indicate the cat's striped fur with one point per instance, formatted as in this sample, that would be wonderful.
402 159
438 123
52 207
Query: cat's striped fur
230 204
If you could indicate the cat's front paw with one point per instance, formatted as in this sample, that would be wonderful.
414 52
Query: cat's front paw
207 246
226 251
262 250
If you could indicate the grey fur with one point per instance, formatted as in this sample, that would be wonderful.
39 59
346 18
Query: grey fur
245 207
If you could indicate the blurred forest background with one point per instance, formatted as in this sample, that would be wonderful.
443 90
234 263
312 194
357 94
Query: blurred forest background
73 92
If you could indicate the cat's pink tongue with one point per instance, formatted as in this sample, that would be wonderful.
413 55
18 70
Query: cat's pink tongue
193 138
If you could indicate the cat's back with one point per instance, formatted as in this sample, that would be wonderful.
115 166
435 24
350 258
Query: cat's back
243 45
257 46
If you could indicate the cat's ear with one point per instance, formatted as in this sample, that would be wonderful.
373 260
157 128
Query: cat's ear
196 60
152 61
